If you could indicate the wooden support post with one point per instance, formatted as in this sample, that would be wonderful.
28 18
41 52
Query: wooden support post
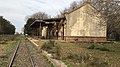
47 32
32 32
35 32
57 32
63 32
40 30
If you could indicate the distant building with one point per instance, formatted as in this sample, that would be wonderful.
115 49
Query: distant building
82 24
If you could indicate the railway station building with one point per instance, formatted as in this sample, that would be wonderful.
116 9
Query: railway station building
82 24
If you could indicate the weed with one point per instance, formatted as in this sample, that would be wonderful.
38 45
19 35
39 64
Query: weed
52 65
68 65
48 45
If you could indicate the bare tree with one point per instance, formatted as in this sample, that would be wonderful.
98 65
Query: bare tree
111 11
40 15
62 13
72 7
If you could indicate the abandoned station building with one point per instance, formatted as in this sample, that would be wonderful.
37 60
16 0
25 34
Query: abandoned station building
82 24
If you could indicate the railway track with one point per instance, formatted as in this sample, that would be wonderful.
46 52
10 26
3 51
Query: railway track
26 55
39 60
13 57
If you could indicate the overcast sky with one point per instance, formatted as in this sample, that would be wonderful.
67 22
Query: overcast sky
16 10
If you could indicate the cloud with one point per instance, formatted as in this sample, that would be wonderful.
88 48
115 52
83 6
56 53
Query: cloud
16 10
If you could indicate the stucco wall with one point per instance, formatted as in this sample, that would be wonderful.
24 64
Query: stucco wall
84 21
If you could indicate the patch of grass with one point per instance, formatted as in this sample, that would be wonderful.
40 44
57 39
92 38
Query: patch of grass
88 54
53 48
6 52
103 49
92 46
86 60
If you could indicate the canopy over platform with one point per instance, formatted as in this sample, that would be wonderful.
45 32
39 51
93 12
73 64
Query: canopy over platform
36 23
54 19
45 22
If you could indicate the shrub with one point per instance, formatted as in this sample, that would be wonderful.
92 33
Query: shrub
56 51
88 60
48 45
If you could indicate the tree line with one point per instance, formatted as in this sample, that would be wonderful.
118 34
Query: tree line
6 28
110 10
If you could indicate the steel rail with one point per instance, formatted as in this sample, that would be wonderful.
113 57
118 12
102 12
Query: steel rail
15 52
